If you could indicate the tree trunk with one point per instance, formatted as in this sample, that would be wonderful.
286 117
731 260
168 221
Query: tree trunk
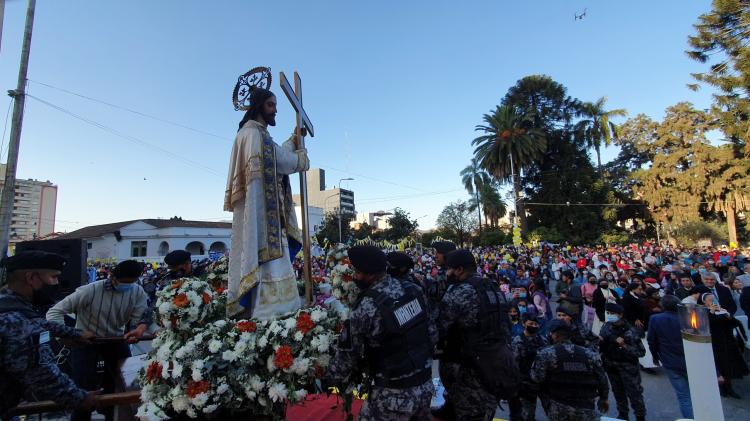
479 211
520 210
598 157
731 225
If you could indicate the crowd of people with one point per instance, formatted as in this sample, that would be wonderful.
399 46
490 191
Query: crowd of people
576 322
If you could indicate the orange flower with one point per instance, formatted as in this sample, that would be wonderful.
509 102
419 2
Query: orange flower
196 388
345 261
180 300
206 298
246 326
219 290
283 357
176 284
305 323
153 372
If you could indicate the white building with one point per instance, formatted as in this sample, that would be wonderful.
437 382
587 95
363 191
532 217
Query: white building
34 208
378 220
152 239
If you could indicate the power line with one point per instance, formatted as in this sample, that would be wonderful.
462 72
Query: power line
127 137
5 129
136 112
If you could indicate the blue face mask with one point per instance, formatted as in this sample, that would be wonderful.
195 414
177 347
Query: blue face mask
522 295
521 309
124 287
609 317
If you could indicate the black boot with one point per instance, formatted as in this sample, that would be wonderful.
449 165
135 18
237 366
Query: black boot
640 418
723 389
445 412
622 416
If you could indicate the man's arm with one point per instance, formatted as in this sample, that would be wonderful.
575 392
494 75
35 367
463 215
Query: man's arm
68 305
139 316
455 306
290 160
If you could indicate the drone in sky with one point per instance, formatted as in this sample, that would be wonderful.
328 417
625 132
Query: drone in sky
581 16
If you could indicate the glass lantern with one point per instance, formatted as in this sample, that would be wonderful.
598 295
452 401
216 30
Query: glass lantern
694 322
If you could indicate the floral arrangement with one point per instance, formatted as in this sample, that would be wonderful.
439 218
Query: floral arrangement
342 276
218 273
209 364
188 303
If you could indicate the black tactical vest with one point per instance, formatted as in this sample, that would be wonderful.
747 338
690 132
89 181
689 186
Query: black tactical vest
401 360
572 380
611 351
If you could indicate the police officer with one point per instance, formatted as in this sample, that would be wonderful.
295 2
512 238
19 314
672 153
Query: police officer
28 368
473 318
399 266
572 376
439 285
621 347
580 335
387 334
180 265
525 347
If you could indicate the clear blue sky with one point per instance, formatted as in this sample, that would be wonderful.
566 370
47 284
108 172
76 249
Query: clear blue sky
394 89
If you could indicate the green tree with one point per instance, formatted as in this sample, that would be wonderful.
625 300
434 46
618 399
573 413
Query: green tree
400 225
330 228
457 221
596 128
363 231
474 178
493 205
509 144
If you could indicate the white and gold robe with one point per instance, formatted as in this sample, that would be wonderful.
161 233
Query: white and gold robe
262 282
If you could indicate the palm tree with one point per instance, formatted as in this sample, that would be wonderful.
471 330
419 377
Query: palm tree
596 127
492 203
509 144
474 177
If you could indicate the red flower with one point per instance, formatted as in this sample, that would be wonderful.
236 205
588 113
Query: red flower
346 277
180 300
176 284
339 327
305 323
153 372
219 290
196 388
283 357
246 326
206 298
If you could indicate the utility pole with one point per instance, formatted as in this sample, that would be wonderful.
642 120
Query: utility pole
343 179
19 96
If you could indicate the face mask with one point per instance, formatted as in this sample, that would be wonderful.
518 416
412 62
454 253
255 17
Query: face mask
124 287
522 294
45 296
532 329
623 285
604 286
514 317
522 309
611 317
592 282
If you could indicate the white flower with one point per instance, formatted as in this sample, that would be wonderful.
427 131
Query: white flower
199 400
256 384
240 347
180 403
275 328
285 333
165 307
324 360
220 323
317 315
300 394
176 370
269 364
197 366
290 323
214 346
298 336
263 342
324 342
300 365
210 408
211 275
277 392
222 388
194 298
246 336
229 355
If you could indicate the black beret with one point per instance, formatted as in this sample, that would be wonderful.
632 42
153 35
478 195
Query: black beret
684 275
398 259
699 289
33 259
367 259
444 247
614 308
559 326
128 269
460 258
177 257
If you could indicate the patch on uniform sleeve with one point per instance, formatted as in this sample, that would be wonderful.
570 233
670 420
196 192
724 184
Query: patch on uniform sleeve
408 312
44 337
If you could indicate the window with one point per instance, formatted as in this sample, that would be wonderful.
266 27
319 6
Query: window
138 248
89 245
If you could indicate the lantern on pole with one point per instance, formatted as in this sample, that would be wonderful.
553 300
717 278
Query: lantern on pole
699 359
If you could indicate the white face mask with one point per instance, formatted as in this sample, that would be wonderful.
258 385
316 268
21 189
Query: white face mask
609 317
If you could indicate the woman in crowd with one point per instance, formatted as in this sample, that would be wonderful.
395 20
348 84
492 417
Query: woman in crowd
635 306
602 295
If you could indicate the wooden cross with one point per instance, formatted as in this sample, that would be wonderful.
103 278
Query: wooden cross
303 121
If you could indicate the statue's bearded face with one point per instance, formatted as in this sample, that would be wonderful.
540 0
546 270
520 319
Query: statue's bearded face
268 111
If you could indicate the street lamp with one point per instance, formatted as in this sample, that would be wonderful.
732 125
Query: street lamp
343 179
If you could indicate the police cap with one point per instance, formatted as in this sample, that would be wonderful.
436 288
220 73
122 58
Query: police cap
367 259
177 257
128 269
460 258
564 311
559 326
614 308
398 259
444 247
33 260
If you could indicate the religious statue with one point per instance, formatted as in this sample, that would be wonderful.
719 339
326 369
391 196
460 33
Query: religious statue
265 234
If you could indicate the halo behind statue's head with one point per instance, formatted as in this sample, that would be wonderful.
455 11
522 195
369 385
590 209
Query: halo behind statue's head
257 77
